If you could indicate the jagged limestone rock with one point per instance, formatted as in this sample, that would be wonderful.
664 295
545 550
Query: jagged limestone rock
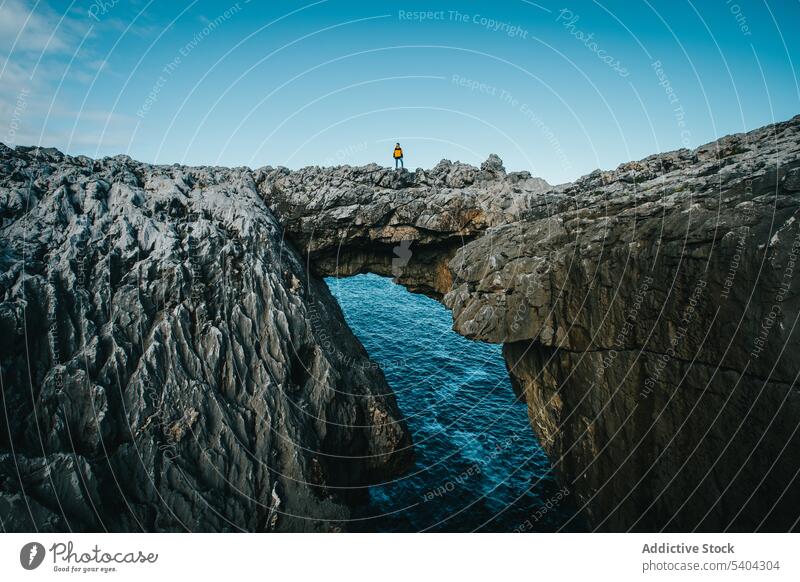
352 220
637 308
167 362
649 319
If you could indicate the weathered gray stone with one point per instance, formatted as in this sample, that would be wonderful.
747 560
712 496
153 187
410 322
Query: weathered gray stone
352 220
167 362
630 303
652 329
637 308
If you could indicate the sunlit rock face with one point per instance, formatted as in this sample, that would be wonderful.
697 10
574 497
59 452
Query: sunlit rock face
177 362
167 364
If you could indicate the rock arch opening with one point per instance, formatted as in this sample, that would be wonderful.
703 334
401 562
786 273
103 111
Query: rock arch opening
478 465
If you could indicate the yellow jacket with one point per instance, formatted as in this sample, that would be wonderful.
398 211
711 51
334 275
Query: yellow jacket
398 152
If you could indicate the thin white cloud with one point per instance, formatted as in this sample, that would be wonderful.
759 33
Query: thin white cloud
37 45
28 29
14 74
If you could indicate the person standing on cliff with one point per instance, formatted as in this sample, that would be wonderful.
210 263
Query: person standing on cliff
398 156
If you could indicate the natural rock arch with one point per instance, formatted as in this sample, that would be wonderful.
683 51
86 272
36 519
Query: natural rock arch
610 296
178 300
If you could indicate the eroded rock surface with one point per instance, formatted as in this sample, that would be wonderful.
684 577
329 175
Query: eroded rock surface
647 315
350 220
167 365
650 322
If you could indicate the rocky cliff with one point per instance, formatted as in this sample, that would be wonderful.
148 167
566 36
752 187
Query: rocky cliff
167 365
649 320
648 313
176 360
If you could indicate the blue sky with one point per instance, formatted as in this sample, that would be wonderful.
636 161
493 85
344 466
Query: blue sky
557 88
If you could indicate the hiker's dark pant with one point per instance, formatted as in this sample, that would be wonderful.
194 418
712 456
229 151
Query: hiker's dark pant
398 161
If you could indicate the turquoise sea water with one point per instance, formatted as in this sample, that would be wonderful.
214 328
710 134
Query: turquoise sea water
478 464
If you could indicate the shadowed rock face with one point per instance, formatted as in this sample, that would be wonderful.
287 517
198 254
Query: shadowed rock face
647 315
167 365
637 308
